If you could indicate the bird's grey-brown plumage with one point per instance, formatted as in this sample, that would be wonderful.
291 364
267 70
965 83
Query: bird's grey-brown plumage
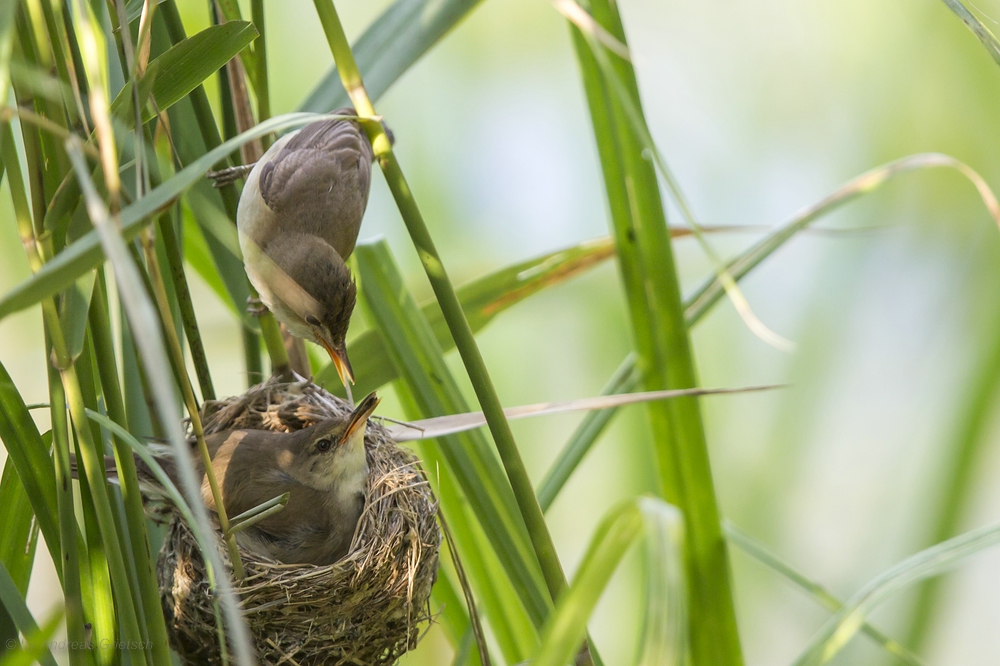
317 182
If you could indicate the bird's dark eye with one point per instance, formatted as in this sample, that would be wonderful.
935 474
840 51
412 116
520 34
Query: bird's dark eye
312 321
323 445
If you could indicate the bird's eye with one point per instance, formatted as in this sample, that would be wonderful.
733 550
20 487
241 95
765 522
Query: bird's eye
311 320
323 445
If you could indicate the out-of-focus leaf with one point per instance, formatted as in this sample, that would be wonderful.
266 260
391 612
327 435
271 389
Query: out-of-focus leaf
198 256
482 299
13 601
414 351
73 312
37 81
133 9
18 537
664 631
390 46
183 67
37 649
85 253
17 542
30 457
820 594
8 11
836 633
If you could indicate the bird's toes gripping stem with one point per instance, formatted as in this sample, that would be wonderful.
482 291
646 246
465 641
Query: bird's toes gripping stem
224 177
255 307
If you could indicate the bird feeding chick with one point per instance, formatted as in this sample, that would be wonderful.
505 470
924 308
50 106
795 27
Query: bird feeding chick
298 220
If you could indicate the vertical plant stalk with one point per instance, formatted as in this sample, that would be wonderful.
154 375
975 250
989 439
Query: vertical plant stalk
185 303
145 323
957 486
663 346
104 352
69 564
444 291
187 391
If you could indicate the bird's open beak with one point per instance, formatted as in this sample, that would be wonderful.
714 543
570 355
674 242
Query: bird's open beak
340 361
359 418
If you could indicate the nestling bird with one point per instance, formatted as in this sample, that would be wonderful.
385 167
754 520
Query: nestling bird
323 468
298 220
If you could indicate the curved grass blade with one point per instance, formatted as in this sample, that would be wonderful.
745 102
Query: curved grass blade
934 561
390 46
981 32
663 639
85 253
820 594
709 293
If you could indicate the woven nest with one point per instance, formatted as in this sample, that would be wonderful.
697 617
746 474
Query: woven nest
366 608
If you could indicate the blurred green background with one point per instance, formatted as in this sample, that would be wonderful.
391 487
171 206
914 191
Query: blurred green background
761 108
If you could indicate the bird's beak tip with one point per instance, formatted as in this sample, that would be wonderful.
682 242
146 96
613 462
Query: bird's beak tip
340 362
361 414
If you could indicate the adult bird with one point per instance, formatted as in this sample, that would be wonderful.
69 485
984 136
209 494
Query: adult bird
298 220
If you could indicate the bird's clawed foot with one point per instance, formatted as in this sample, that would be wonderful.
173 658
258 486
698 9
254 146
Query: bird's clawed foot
224 177
255 307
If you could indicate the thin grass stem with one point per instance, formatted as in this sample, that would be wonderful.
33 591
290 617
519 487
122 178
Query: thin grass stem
444 291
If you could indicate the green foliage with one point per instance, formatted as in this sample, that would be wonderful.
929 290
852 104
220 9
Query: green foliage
71 143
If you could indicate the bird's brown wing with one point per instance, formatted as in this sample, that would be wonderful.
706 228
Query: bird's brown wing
318 182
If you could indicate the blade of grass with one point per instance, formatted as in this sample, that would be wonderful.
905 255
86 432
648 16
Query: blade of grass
128 480
820 594
432 390
439 426
934 561
18 610
17 542
151 347
663 638
36 650
662 346
390 46
465 341
977 27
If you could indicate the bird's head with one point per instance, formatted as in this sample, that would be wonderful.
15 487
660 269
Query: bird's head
316 291
331 454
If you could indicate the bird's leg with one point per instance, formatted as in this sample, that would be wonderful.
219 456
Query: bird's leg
255 307
224 177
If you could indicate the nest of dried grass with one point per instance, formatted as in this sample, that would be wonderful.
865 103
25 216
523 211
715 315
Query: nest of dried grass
367 608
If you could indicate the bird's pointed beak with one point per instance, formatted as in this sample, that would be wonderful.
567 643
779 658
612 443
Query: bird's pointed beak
359 419
340 361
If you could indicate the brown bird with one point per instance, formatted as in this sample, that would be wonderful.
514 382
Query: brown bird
323 468
298 221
